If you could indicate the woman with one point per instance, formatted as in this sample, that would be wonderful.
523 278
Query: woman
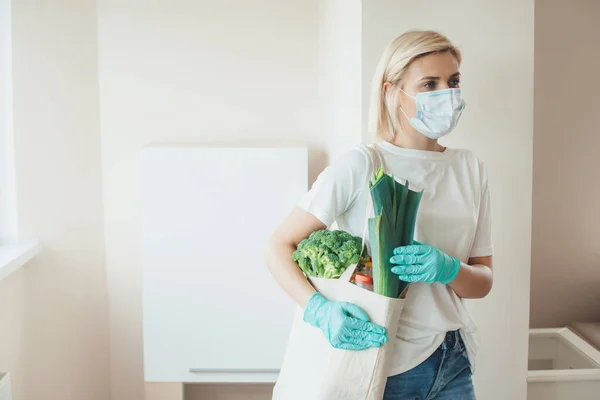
416 100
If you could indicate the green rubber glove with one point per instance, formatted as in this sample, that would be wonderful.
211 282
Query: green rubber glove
424 263
345 325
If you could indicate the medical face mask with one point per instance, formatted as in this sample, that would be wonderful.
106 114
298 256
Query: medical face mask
437 112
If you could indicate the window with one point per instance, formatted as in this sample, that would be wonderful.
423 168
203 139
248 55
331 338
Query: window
7 160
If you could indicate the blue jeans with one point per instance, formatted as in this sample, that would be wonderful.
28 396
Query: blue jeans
446 375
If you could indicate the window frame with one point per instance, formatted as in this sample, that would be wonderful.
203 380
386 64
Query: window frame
8 210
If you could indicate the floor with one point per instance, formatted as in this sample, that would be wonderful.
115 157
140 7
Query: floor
229 392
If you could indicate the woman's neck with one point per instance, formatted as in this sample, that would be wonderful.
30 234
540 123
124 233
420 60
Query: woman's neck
417 141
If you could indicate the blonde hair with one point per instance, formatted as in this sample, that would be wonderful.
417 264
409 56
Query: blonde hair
384 120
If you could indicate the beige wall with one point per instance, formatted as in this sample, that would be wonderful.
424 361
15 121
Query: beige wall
57 145
226 72
12 311
565 281
339 52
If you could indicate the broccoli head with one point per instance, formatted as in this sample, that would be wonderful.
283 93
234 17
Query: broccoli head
327 254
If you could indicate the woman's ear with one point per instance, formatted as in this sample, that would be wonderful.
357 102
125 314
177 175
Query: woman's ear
386 86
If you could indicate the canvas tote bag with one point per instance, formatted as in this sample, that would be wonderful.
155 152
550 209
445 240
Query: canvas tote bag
313 370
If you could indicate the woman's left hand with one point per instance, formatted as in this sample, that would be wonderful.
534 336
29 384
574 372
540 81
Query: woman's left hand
424 263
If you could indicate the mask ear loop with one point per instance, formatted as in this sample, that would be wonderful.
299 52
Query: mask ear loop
409 95
407 117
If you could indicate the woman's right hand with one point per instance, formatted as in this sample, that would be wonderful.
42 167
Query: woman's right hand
345 325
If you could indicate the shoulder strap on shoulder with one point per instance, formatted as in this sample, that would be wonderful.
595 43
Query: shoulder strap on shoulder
374 161
373 157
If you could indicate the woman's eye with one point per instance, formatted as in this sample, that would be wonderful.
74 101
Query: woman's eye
429 85
455 83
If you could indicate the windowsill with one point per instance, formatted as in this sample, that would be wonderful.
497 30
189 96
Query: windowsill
14 256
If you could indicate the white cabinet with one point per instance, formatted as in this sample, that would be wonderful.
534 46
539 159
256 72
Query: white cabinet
211 310
562 366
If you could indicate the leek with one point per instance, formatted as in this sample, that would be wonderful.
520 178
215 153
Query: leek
395 209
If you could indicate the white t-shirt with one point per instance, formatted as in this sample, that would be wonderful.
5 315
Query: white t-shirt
454 215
